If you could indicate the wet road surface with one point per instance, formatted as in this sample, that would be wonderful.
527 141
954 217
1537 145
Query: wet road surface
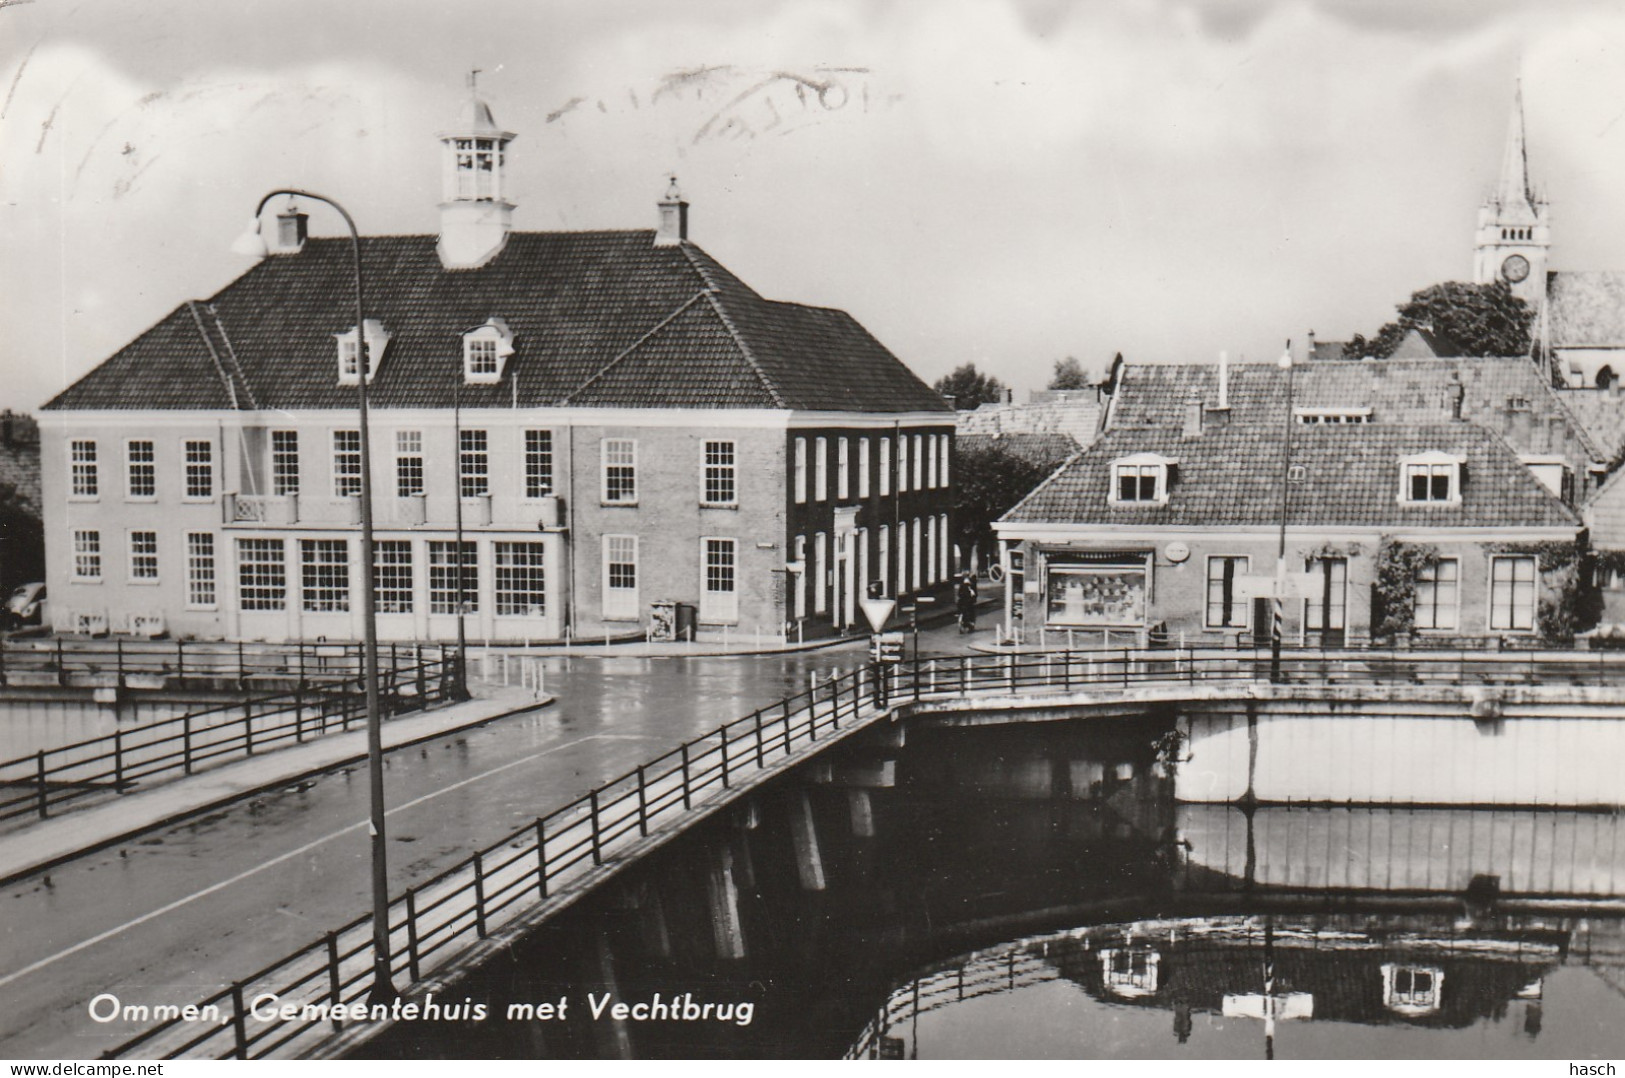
183 910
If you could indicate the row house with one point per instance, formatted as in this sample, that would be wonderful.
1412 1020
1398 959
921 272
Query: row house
565 429
1172 525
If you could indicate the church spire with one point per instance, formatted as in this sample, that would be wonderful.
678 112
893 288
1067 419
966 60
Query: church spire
1514 192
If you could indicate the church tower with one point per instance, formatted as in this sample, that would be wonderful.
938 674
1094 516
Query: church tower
1514 224
475 214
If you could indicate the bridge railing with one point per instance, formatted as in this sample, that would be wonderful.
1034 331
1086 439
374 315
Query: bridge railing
559 853
128 758
60 659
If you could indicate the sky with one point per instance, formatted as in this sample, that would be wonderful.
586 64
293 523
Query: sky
998 182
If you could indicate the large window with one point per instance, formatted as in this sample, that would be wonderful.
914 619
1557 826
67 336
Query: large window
199 469
1512 593
931 461
863 467
538 463
719 601
820 572
444 593
144 557
392 576
620 576
325 575
883 556
1438 594
143 469
87 555
798 554
284 462
843 468
200 578
821 469
1325 608
945 451
720 480
473 463
620 471
1226 607
1110 591
520 583
902 464
262 575
408 463
346 463
947 548
801 470
85 480
919 462
885 466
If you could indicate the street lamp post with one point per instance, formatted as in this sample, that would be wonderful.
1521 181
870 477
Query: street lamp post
1278 628
251 242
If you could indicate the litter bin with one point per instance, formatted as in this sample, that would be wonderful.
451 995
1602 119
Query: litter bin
687 620
663 619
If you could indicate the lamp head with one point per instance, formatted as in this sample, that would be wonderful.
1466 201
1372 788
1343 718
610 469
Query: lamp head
251 243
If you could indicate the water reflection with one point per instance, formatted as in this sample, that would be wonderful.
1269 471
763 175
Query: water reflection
1037 892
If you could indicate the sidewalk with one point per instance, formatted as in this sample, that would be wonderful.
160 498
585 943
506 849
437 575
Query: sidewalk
44 843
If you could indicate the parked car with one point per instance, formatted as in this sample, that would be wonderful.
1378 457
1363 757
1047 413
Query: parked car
25 606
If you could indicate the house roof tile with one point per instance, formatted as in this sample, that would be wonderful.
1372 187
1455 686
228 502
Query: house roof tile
597 318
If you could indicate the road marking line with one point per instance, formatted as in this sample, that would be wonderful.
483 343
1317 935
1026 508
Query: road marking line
307 847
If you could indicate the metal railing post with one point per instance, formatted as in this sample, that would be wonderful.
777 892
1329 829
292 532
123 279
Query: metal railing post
541 857
248 726
412 933
761 760
643 804
479 894
186 741
333 988
239 1025
722 747
687 804
44 805
118 663
118 761
597 847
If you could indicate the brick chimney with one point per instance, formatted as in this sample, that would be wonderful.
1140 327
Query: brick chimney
1193 417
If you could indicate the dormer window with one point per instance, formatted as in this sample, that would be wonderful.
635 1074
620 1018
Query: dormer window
377 341
1430 479
1318 416
485 352
1140 479
1412 990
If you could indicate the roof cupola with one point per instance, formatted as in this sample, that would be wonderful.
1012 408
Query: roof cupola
475 214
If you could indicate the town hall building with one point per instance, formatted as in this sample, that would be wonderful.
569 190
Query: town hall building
589 424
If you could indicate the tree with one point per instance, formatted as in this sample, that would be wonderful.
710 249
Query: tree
970 388
1481 319
988 481
1069 374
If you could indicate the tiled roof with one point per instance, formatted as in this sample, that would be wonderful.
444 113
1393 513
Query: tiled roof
1507 395
1078 418
598 318
1601 414
1044 449
1585 309
1232 477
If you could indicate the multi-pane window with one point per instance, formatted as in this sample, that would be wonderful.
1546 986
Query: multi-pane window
87 555
1430 482
520 583
284 462
620 576
200 579
885 466
481 356
444 594
479 165
144 556
1226 609
538 463
199 469
821 469
1139 482
843 468
143 469
473 463
943 452
1325 607
919 463
863 467
1512 593
408 463
720 474
931 461
1438 591
720 565
346 463
86 482
620 471
930 550
820 573
392 576
262 574
326 574
947 546
801 470
902 464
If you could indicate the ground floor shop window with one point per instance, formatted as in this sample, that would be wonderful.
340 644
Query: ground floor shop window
1108 593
